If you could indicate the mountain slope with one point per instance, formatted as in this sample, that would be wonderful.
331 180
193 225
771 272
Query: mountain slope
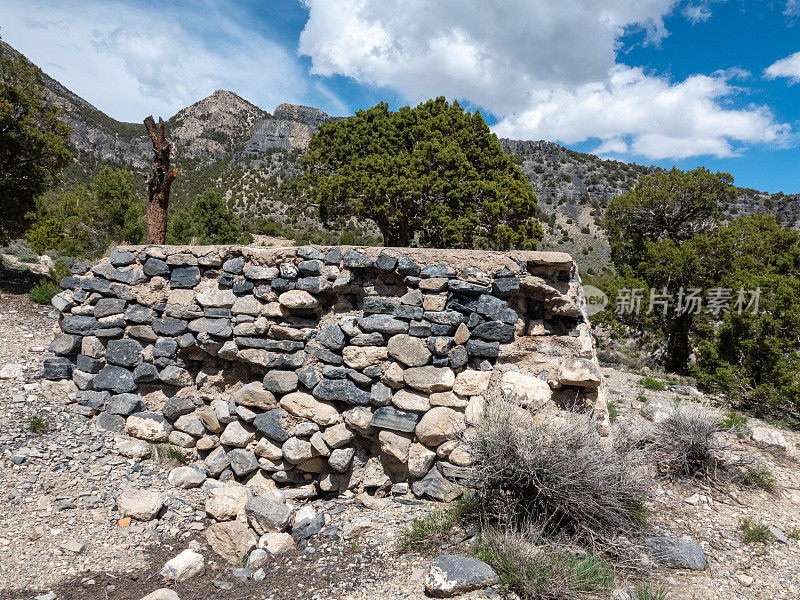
228 143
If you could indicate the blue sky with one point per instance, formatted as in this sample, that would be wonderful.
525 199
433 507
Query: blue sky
698 82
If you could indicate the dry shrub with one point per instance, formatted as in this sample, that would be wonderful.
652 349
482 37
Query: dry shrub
689 441
533 566
558 472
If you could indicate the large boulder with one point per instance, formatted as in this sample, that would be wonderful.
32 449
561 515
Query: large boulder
185 565
430 379
439 424
409 350
526 390
232 540
142 505
449 575
681 554
305 406
579 372
225 502
267 515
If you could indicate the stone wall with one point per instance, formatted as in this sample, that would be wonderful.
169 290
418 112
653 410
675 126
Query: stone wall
325 368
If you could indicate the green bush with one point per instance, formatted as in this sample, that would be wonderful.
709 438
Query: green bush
43 292
651 383
28 258
754 531
46 235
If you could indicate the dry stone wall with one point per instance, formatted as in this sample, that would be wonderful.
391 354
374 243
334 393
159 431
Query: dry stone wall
322 369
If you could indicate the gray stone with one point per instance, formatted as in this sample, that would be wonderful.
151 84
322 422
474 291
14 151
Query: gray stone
340 459
64 344
95 400
234 265
184 277
449 575
506 286
266 515
342 390
379 305
88 364
217 461
125 404
215 327
176 406
385 262
380 394
496 309
155 267
269 423
242 461
310 253
388 417
308 527
145 373
174 375
332 337
124 353
407 266
78 324
187 477
280 382
169 326
353 258
483 349
57 368
681 554
136 313
440 270
109 422
121 258
409 350
435 486
382 324
114 379
494 331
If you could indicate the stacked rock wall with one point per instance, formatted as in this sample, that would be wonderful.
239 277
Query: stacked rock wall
329 368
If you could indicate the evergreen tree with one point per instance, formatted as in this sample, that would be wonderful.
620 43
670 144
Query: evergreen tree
207 221
434 175
33 141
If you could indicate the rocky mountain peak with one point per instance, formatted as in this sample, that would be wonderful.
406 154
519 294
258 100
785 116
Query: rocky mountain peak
305 114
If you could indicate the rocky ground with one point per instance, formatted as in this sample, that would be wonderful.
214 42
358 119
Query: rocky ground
63 534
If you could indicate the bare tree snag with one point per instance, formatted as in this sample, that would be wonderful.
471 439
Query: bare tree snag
158 182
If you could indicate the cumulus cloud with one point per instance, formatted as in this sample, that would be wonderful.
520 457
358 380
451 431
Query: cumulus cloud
546 69
785 67
130 61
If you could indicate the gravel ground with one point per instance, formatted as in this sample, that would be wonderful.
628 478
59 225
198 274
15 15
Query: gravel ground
60 529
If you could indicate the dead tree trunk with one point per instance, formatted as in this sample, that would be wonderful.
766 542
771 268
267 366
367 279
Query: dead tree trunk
158 183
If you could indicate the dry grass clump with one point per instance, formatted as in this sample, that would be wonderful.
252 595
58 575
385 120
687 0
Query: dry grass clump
689 440
558 472
532 566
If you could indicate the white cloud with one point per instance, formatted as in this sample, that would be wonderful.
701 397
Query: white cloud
792 8
655 117
546 69
130 61
697 13
785 67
